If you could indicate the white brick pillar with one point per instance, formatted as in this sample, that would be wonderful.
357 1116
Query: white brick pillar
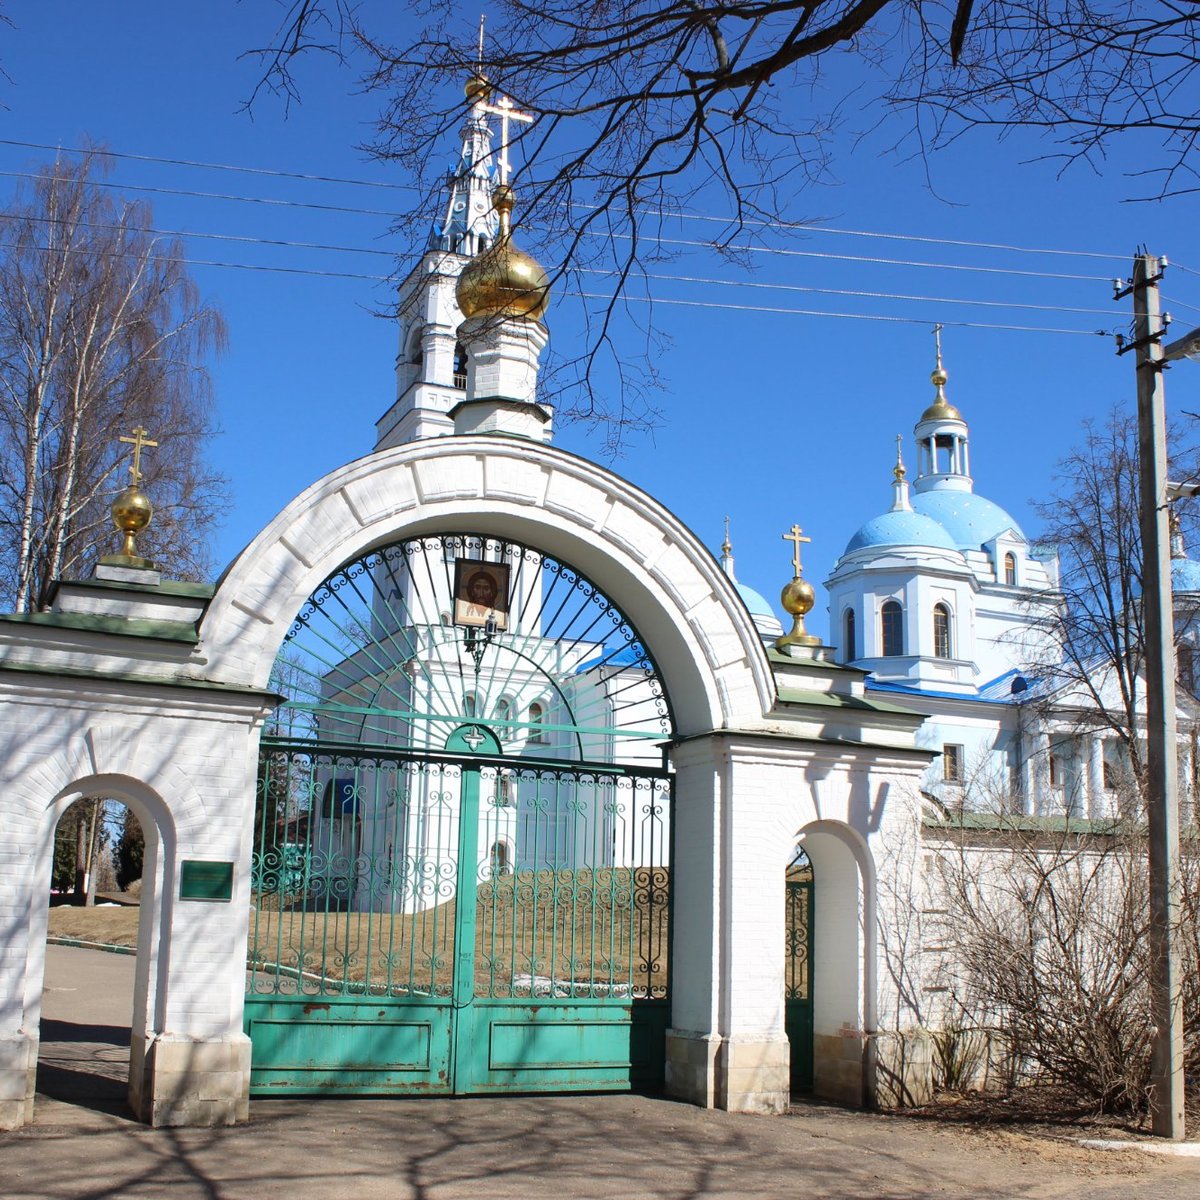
727 1047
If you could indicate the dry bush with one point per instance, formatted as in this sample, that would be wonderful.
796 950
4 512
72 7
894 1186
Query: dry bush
1048 934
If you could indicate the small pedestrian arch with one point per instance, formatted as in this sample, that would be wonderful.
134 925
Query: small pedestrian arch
148 1015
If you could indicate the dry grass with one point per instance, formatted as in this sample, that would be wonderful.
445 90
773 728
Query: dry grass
112 926
582 927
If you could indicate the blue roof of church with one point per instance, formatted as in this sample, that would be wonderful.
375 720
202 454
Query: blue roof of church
1185 575
901 528
755 601
968 519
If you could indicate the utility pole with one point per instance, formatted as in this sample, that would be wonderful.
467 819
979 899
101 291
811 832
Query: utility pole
1162 771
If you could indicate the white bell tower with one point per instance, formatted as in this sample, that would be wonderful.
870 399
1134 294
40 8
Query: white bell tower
431 368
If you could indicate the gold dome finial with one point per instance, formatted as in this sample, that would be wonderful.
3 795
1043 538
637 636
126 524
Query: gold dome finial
132 510
503 281
898 470
797 598
941 409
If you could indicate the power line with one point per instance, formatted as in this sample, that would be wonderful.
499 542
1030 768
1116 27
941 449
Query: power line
679 303
807 312
655 276
795 287
681 214
894 262
163 191
210 166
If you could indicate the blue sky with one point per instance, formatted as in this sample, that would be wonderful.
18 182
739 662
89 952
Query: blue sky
769 417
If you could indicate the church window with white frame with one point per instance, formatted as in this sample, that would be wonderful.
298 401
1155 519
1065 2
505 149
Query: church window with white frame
941 631
1010 569
891 619
850 648
952 763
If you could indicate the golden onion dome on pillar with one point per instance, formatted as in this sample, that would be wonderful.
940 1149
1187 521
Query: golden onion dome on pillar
503 281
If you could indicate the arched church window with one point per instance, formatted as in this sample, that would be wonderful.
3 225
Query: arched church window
416 352
1186 660
892 622
469 704
460 365
503 712
501 863
537 717
941 631
850 646
1010 569
504 790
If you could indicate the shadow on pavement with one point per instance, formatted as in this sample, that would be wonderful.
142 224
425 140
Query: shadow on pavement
86 1066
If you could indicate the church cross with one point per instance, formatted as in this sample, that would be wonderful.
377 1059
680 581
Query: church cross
937 339
139 441
506 111
796 537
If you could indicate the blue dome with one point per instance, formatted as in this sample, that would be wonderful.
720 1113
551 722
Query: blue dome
968 519
1185 575
754 601
901 528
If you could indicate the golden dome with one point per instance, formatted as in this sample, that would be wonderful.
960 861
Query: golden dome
941 409
503 281
131 510
477 88
798 597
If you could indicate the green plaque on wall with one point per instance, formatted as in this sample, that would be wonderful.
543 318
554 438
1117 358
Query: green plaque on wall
205 880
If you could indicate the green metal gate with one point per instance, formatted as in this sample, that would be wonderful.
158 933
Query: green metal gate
451 894
798 979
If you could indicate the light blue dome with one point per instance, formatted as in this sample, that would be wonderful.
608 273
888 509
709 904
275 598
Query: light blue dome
969 520
1185 575
755 601
901 528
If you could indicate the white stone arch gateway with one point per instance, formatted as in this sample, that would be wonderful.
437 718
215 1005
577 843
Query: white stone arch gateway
651 566
181 672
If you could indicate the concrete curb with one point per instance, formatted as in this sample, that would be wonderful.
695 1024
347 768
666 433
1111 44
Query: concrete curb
79 944
1172 1149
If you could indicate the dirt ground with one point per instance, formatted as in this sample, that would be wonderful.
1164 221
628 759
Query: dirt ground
85 1144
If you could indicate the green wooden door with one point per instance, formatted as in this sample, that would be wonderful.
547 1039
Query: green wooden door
798 977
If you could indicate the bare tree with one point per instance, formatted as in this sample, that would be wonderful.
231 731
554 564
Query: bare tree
101 329
1045 929
646 108
1094 654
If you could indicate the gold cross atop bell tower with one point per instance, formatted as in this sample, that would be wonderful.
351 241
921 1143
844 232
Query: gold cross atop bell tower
797 597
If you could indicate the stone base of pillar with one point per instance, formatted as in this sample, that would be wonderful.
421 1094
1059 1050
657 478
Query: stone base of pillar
18 1079
738 1075
181 1081
838 1067
903 1069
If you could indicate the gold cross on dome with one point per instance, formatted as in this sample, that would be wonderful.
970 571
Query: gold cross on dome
506 111
937 341
796 537
139 441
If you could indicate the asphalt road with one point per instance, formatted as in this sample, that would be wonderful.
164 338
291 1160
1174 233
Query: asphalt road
85 1144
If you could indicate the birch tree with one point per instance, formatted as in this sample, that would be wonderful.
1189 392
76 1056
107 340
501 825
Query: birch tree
101 329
